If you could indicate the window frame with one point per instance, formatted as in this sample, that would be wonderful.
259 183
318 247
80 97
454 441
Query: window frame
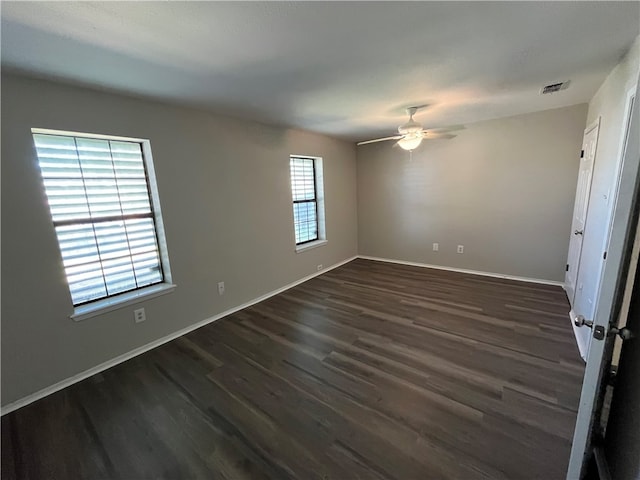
118 300
318 200
314 200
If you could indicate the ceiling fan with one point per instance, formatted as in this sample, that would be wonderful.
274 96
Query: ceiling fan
411 134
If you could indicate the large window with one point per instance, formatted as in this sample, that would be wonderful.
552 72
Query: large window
308 208
101 203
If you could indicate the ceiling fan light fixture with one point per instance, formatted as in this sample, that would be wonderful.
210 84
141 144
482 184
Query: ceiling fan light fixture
410 134
410 142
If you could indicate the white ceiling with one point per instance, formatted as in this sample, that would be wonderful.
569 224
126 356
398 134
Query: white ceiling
346 69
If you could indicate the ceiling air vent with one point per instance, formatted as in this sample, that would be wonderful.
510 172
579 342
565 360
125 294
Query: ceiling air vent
554 87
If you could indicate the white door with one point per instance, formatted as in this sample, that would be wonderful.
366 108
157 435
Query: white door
585 173
595 242
609 302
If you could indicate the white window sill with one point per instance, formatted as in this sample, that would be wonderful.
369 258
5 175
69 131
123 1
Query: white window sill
99 307
308 246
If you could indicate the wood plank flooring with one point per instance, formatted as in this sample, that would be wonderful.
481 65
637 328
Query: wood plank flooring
370 371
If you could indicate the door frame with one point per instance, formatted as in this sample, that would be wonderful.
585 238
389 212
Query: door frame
609 301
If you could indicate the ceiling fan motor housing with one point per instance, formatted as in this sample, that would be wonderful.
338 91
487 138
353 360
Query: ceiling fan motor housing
410 127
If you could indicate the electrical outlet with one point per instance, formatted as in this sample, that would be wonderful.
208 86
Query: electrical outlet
319 267
460 248
139 315
436 247
220 288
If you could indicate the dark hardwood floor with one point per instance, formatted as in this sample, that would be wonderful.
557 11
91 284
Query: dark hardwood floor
370 371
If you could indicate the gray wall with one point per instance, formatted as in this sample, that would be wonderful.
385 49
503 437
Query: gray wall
502 188
608 104
226 203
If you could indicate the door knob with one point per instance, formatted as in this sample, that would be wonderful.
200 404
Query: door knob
578 232
580 321
624 333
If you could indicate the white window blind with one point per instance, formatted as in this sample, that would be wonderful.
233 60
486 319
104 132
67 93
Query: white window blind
101 206
305 205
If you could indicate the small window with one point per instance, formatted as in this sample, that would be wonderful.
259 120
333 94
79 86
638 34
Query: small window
308 205
101 203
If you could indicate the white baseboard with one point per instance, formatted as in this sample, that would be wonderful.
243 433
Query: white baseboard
464 270
156 343
582 346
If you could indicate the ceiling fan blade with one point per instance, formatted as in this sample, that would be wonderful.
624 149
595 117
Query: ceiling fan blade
451 128
437 136
395 137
